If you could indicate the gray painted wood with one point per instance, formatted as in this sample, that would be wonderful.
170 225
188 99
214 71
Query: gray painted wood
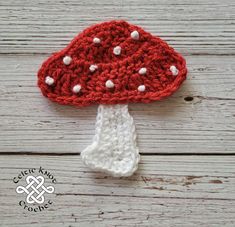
192 27
31 123
172 190
30 29
165 191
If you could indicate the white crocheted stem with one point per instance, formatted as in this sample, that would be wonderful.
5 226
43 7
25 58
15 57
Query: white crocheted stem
114 148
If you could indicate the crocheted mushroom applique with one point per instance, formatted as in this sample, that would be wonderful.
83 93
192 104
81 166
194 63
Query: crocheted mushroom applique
112 64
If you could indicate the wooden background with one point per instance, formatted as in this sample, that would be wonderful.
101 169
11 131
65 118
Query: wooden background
187 173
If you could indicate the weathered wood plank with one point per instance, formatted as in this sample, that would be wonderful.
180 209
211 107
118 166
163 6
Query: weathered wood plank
44 26
30 123
165 191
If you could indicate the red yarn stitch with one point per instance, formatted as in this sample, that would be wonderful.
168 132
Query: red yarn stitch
148 52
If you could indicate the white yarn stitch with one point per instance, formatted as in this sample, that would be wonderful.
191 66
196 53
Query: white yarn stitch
67 60
135 35
49 80
109 84
174 70
96 40
92 68
114 150
77 88
141 88
117 50
142 71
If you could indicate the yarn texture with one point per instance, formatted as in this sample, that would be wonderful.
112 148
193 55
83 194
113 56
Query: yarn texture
112 64
114 148
113 51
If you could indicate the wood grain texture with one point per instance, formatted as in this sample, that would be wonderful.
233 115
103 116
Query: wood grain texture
31 123
165 191
204 125
44 26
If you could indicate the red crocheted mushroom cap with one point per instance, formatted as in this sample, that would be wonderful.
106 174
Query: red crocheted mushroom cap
109 63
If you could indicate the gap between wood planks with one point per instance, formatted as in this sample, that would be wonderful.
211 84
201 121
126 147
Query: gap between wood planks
133 196
143 154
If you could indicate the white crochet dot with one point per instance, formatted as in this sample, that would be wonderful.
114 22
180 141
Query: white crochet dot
135 35
117 50
67 60
96 40
92 68
142 71
141 88
49 80
77 88
174 70
109 84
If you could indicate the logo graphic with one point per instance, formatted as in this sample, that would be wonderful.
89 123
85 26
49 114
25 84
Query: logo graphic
36 185
35 189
